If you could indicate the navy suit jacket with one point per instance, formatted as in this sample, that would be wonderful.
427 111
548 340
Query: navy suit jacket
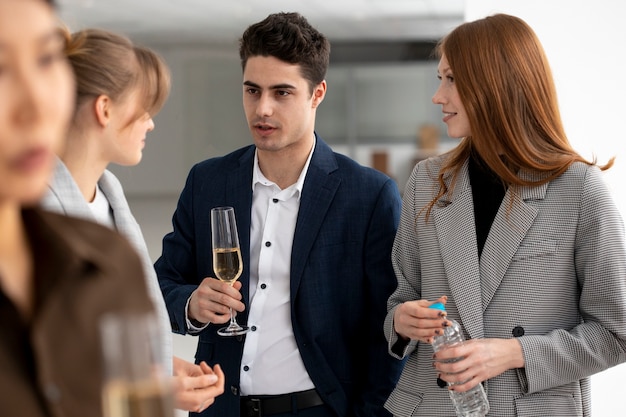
341 274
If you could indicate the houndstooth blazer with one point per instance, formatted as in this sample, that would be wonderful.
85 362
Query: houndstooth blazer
64 197
552 273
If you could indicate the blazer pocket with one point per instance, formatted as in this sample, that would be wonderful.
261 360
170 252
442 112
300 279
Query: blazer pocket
403 403
546 404
531 249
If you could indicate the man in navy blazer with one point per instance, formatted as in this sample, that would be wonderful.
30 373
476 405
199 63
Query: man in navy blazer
316 231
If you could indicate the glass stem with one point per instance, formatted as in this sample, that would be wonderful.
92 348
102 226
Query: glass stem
233 322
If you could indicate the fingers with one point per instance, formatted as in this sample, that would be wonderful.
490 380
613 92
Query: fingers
467 384
199 392
185 368
194 400
460 382
415 320
215 289
455 369
476 360
443 299
212 300
188 383
216 389
206 368
220 378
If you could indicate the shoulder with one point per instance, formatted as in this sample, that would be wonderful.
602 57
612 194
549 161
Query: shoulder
212 174
428 169
219 163
580 175
61 188
90 241
91 249
346 163
357 172
360 186
581 170
325 158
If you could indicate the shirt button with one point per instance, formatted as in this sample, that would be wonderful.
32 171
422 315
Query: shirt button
253 328
268 244
275 200
246 368
263 286
234 390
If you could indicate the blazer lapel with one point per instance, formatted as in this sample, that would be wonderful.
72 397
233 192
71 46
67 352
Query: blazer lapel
317 195
124 221
456 232
515 216
122 217
70 199
238 187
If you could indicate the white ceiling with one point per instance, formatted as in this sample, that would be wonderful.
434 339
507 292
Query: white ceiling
174 21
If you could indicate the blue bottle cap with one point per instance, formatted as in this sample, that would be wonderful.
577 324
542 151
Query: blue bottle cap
438 306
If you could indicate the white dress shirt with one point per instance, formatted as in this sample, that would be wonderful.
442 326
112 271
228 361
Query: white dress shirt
101 209
271 362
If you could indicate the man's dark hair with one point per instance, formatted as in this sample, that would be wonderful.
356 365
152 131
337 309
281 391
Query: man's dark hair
290 38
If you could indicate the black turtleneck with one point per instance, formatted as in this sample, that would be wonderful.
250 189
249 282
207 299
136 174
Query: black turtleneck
488 192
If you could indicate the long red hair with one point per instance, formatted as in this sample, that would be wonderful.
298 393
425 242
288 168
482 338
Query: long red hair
505 83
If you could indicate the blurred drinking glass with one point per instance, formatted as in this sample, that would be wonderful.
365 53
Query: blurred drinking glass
135 383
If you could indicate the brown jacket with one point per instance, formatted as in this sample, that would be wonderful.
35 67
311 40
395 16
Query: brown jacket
52 366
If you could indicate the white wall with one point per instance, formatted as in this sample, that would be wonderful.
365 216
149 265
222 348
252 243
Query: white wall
202 118
584 41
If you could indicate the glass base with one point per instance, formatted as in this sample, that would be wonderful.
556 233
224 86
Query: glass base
233 330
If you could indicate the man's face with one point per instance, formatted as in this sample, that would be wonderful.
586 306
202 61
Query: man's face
279 105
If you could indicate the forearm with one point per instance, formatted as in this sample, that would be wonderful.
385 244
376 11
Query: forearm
565 356
516 354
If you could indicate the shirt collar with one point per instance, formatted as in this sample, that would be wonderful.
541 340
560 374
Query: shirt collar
259 178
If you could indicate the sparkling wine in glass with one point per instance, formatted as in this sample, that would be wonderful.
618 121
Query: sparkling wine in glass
227 262
135 383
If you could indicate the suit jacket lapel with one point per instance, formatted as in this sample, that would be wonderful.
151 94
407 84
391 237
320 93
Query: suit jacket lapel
456 232
239 187
515 216
317 195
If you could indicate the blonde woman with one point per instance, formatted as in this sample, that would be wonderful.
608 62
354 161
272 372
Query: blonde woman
120 87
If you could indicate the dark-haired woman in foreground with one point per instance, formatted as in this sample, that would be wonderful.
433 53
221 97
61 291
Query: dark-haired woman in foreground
58 275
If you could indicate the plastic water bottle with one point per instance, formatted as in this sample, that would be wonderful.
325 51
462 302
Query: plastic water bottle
472 403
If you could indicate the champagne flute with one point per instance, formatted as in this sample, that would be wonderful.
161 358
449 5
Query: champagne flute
227 262
135 384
